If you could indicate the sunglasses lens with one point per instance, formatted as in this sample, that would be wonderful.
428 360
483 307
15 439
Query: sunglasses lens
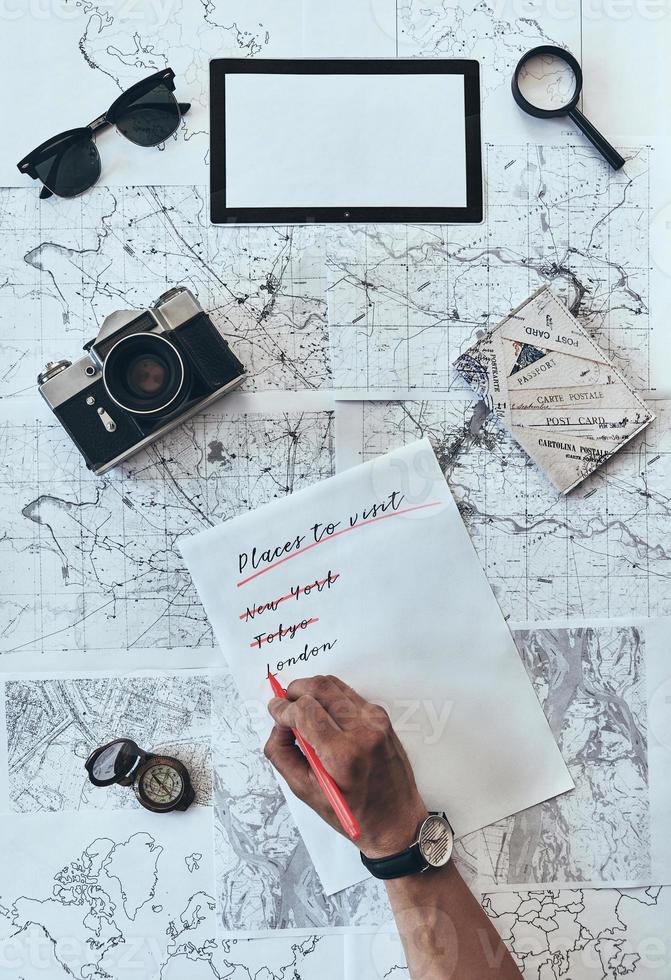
150 118
69 167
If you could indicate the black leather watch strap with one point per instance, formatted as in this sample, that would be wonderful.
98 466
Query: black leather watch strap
408 862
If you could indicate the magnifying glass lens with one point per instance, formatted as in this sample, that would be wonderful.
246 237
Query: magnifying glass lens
547 82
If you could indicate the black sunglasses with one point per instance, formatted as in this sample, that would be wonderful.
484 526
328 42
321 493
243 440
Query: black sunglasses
147 114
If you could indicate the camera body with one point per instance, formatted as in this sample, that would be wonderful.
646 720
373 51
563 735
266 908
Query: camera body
146 372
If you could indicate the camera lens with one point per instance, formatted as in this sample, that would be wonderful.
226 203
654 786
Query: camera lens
144 373
147 376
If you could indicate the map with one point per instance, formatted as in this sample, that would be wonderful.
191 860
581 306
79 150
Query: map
592 685
122 907
121 248
92 564
84 903
573 933
53 724
602 551
229 28
110 887
405 301
106 48
95 563
483 29
265 877
317 957
565 934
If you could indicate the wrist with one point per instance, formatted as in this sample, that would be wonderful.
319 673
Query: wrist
398 834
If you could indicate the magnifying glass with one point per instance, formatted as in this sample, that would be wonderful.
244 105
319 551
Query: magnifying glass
547 83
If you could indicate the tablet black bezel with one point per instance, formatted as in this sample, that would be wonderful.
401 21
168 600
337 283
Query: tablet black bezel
221 214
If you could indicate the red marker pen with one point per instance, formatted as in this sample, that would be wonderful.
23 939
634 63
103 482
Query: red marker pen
331 791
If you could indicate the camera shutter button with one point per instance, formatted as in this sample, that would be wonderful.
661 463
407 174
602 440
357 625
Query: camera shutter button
51 370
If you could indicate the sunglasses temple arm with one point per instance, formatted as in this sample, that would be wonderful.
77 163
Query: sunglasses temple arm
184 107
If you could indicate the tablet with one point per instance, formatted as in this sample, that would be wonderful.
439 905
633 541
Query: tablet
345 141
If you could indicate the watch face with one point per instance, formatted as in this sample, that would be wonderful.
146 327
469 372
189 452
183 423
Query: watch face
436 841
161 785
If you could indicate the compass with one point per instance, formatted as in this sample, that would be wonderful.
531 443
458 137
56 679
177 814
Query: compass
160 783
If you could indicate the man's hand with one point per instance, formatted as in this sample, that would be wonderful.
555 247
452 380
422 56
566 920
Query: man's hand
359 748
445 933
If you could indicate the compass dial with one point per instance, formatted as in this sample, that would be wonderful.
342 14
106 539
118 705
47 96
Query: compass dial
162 784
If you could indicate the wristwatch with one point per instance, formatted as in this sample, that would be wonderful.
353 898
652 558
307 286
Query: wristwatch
432 849
161 783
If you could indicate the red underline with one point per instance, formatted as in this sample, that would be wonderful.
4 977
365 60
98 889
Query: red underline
251 613
345 530
264 639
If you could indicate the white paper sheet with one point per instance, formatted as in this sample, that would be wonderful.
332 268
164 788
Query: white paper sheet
374 955
337 140
384 540
116 895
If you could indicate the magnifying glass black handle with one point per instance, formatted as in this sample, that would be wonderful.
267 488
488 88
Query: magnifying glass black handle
596 139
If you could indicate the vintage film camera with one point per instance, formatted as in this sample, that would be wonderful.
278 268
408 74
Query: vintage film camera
145 373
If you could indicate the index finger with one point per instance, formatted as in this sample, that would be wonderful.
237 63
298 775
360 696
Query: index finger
309 718
341 702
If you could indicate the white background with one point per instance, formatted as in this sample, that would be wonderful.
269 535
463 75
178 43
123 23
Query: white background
345 141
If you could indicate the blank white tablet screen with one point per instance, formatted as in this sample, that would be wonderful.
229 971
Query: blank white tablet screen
320 141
